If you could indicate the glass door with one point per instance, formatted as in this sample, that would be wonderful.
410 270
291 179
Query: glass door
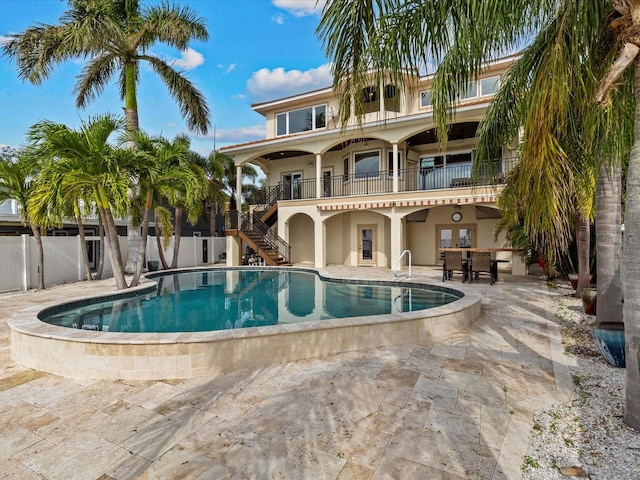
367 244
291 186
460 236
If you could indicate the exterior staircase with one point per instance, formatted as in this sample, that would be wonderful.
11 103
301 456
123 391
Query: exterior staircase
257 234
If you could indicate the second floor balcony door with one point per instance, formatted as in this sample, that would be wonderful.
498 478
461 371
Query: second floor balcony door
291 185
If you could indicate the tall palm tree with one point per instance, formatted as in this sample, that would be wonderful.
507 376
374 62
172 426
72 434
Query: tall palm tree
86 161
594 43
115 37
17 171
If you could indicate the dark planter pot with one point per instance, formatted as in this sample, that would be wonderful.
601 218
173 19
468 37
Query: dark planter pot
573 278
589 300
609 338
153 265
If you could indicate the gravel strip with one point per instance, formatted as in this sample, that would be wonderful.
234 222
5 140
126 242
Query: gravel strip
585 437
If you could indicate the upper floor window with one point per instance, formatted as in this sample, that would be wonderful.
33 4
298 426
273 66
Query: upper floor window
371 99
489 86
302 120
470 91
486 86
391 98
425 99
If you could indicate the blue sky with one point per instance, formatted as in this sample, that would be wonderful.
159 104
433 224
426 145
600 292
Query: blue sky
258 50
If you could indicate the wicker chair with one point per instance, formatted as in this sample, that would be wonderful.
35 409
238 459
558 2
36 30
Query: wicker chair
481 265
453 263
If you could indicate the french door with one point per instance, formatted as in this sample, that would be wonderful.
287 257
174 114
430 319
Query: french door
291 185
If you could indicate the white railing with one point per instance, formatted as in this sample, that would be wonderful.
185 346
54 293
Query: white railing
398 262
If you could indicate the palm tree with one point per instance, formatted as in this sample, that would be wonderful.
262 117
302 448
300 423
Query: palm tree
115 37
594 43
230 175
86 161
17 171
214 173
164 174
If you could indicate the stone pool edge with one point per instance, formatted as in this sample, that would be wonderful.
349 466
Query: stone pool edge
84 354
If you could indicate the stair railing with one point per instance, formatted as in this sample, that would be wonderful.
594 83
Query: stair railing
398 262
238 221
272 195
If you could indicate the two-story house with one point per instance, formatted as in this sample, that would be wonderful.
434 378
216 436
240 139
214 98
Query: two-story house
360 195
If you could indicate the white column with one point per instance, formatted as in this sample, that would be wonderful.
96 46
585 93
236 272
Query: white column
318 175
397 245
26 262
319 239
239 188
395 167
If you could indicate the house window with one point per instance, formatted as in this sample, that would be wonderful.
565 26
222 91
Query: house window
371 100
391 99
366 164
470 91
489 86
302 120
425 99
390 163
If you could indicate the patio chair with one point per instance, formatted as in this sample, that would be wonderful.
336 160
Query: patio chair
453 263
481 265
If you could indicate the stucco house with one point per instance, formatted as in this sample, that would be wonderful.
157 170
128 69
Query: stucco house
361 194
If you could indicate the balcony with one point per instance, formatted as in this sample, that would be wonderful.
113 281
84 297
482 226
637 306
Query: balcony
452 176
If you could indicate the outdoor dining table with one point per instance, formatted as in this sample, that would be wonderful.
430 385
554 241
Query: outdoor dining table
466 258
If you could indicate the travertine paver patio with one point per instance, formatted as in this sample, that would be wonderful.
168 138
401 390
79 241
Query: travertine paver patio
455 409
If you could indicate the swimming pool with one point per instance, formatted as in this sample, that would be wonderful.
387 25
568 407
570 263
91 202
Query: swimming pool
100 354
207 300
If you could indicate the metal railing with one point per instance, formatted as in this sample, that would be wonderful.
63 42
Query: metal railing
236 220
397 264
457 175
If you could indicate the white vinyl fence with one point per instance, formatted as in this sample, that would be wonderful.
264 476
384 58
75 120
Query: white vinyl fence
63 261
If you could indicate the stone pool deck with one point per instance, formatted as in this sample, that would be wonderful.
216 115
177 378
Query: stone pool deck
458 408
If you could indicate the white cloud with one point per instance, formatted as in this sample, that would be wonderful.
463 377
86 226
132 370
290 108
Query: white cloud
227 69
240 134
268 84
190 59
172 125
4 39
279 19
301 8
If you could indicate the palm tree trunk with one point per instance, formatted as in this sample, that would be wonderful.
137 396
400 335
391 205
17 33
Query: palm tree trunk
114 248
143 240
631 271
583 240
100 248
176 239
159 234
39 254
212 220
609 243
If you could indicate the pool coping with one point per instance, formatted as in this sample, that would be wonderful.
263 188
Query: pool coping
153 356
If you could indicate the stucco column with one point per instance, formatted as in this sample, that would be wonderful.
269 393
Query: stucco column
319 240
397 236
318 175
239 188
395 167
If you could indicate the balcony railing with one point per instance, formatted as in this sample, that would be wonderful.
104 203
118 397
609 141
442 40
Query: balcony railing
409 180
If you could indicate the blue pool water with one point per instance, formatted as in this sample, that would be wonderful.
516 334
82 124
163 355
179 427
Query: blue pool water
221 299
